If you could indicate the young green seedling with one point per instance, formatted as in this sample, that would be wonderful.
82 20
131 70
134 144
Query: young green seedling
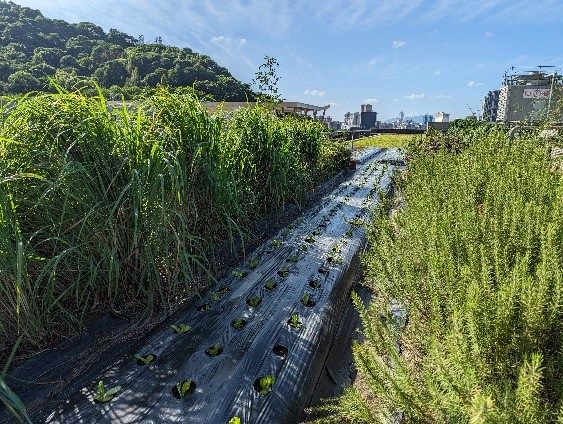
254 262
264 384
270 284
294 321
310 239
235 420
183 388
144 360
238 323
349 232
180 328
276 242
103 395
307 300
293 258
214 350
239 273
303 248
215 297
254 301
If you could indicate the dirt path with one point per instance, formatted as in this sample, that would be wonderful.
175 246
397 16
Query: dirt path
316 255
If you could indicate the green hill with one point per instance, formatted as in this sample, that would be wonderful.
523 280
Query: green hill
34 50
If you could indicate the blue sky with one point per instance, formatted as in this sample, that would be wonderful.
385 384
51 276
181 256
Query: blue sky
418 56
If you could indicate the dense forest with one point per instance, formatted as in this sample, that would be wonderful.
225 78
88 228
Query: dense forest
35 51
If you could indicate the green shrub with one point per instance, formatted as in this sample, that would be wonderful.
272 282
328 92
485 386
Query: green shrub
475 257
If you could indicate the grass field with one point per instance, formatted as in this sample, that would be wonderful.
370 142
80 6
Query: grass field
384 140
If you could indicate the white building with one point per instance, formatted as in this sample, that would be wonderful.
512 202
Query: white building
441 117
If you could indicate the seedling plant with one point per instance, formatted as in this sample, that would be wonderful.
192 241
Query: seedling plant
104 395
294 321
146 359
180 328
254 301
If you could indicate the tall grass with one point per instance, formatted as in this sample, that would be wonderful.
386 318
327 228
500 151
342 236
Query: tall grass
476 259
130 208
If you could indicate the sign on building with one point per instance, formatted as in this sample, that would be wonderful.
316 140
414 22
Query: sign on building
536 93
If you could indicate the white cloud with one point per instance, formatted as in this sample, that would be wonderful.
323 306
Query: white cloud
443 96
228 42
436 72
489 34
399 44
334 104
474 84
319 93
395 100
371 100
415 96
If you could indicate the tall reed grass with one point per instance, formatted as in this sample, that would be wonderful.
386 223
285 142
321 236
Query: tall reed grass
476 259
102 210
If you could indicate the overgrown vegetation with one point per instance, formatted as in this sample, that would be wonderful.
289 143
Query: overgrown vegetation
474 259
131 208
35 49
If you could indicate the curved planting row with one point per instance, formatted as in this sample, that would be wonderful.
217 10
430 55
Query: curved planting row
252 349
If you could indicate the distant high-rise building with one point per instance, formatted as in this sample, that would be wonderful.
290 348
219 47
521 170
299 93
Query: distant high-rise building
441 117
490 106
367 108
402 118
356 120
427 118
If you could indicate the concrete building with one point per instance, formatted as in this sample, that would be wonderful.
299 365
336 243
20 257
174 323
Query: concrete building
441 117
531 96
490 106
368 118
356 119
426 119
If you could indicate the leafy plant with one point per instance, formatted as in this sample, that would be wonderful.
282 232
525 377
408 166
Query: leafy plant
265 384
293 258
294 321
310 239
183 388
303 248
254 262
145 360
180 328
240 273
103 395
270 284
275 242
235 420
307 300
349 232
214 350
238 323
254 301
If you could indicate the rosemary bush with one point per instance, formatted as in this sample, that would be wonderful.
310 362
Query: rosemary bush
475 258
